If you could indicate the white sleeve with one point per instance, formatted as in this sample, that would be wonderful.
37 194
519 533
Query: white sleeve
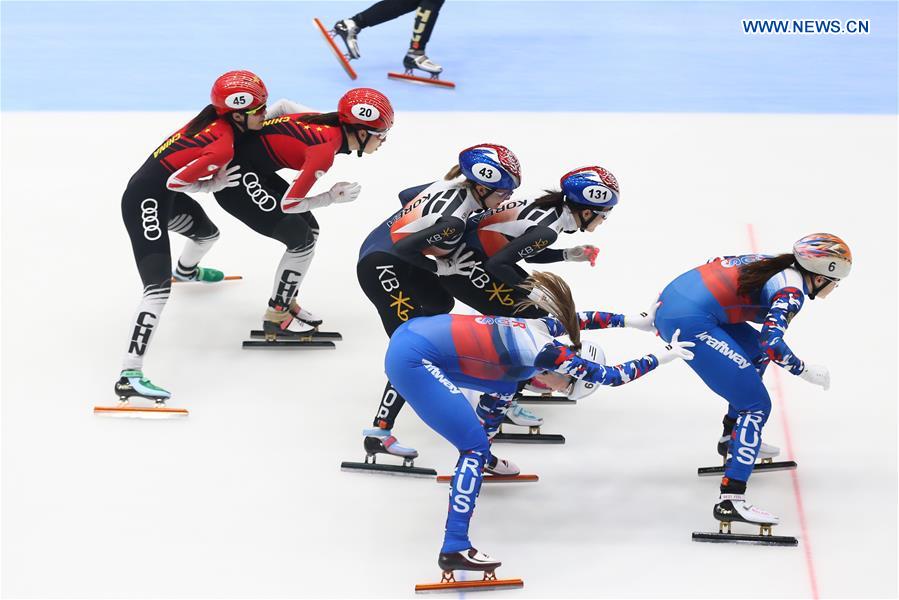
285 107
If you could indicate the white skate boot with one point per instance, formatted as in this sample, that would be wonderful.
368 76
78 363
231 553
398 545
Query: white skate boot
501 466
417 59
303 315
519 415
348 32
766 452
734 507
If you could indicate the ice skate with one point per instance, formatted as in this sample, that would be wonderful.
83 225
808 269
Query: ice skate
764 459
498 470
348 35
200 274
382 441
347 31
468 560
291 328
521 417
732 508
418 60
132 385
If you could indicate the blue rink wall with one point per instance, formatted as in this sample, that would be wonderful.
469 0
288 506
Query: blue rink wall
504 56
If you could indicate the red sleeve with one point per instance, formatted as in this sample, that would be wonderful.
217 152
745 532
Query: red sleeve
211 158
318 160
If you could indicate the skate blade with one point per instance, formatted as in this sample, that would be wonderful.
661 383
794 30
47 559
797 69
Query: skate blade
281 344
470 586
529 438
337 53
761 467
544 399
312 334
521 478
384 469
744 538
140 412
227 278
431 81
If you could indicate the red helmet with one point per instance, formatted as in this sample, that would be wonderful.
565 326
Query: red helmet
237 90
365 108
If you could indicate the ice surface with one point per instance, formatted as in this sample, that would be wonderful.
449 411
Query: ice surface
245 497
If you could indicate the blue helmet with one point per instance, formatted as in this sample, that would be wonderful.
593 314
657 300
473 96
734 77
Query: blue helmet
491 165
590 187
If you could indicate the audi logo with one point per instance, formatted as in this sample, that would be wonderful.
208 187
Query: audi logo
149 219
265 201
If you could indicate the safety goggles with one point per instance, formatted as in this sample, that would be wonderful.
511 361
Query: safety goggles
253 111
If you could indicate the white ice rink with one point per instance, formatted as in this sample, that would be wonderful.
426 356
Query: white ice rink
245 498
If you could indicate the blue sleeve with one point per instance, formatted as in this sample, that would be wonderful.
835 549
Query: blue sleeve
785 304
588 319
561 359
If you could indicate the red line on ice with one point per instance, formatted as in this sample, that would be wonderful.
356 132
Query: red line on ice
785 421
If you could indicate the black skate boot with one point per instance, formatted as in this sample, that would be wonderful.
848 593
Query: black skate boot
467 560
348 32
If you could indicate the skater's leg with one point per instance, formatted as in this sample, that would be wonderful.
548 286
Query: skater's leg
443 407
425 18
190 220
383 11
143 214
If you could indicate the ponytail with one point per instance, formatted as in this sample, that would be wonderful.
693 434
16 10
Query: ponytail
550 198
558 302
453 173
330 119
203 120
754 275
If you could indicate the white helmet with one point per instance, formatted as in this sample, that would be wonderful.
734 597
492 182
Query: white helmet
580 388
823 254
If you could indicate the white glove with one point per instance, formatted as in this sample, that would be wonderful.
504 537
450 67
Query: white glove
285 107
676 349
817 374
644 320
340 192
224 178
581 254
457 263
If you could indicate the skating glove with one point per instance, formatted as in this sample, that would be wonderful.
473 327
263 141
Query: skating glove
285 107
339 193
817 374
457 263
676 349
225 178
581 254
643 321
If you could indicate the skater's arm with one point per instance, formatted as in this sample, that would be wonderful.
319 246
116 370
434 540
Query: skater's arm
409 194
550 255
502 264
285 107
214 157
561 359
784 306
587 319
444 229
317 162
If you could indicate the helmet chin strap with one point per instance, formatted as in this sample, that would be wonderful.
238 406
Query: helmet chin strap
362 144
479 197
814 289
585 223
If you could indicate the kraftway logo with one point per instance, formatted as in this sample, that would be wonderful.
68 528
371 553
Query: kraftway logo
150 219
265 201
722 347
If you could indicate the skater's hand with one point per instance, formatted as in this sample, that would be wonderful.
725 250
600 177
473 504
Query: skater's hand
581 254
225 178
817 374
676 349
457 263
645 320
344 192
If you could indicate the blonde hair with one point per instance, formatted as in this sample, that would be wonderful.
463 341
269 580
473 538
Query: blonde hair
559 302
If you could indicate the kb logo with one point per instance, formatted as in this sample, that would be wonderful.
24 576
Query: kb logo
150 219
265 201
